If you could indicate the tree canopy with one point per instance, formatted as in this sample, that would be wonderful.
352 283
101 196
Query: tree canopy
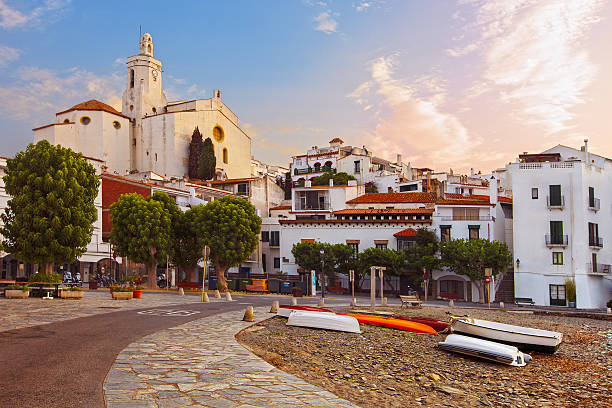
50 215
471 257
142 230
208 162
339 179
187 245
195 151
230 226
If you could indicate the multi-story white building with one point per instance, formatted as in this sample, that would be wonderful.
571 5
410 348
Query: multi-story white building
562 218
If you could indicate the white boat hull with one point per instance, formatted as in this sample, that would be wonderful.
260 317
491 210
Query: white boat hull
323 320
489 350
522 337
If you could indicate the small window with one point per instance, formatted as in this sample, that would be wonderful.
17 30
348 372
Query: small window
445 233
155 156
154 109
265 236
534 193
66 120
594 262
274 238
243 189
134 142
474 233
557 258
218 134
225 158
131 81
355 248
357 166
381 246
131 108
85 120
276 263
557 295
116 125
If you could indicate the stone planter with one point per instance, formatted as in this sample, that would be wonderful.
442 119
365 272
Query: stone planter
71 294
122 295
16 294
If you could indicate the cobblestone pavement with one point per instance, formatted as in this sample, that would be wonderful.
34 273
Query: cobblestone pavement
20 313
200 364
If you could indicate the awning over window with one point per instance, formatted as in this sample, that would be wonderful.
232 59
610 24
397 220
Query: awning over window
474 226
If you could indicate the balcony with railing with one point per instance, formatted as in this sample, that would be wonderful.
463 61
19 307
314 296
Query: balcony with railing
466 218
555 203
301 206
596 242
556 240
594 205
310 170
598 269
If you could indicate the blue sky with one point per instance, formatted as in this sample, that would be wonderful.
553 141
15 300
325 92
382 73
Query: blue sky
467 83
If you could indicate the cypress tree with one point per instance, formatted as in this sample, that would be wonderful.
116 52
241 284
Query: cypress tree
195 151
208 162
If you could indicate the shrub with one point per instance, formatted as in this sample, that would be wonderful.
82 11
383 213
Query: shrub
570 290
17 287
73 289
123 289
45 277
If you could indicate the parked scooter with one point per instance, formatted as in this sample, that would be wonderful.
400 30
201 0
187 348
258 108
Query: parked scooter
77 278
67 277
161 281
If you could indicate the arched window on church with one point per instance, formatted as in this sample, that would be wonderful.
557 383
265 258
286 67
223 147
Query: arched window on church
131 78
149 49
225 159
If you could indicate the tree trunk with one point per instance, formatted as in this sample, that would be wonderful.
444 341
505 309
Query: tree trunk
152 276
47 268
220 271
191 273
481 295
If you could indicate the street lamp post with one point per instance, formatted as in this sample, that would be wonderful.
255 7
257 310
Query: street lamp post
322 275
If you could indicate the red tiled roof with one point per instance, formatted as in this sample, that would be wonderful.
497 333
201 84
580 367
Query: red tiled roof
476 197
336 140
94 105
385 211
281 207
463 202
312 221
227 181
383 198
408 232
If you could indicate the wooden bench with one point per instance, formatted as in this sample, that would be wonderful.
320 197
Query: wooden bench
527 301
255 288
410 300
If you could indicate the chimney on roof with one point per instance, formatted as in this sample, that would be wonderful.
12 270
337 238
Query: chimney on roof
493 190
471 172
399 159
331 182
429 181
586 151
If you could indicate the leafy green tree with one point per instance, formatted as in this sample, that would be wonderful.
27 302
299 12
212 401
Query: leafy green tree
142 231
423 254
195 151
471 257
230 226
188 243
287 186
208 162
337 258
51 211
340 179
391 259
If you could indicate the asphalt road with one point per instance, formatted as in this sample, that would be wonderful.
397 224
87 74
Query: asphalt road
64 364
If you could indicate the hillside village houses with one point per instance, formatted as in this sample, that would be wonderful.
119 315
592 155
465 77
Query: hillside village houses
551 208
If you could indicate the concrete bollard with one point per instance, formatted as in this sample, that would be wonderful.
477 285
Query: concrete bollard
354 302
205 298
228 296
294 301
274 308
501 305
248 314
384 301
321 302
451 303
181 292
217 294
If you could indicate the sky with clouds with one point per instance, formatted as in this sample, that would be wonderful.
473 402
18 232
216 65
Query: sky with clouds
446 83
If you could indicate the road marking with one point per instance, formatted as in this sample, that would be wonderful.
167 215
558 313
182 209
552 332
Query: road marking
171 313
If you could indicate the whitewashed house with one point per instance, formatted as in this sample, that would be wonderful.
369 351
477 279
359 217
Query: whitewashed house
562 226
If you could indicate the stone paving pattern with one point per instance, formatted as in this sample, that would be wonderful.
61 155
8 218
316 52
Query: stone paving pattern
20 313
200 364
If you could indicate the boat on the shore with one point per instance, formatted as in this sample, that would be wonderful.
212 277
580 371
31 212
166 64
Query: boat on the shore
437 325
323 320
285 310
393 323
525 338
490 350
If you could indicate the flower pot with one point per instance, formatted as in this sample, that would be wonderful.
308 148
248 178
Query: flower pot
571 304
137 294
93 284
71 294
122 295
111 288
16 294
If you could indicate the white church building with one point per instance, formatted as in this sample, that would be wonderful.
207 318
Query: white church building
151 134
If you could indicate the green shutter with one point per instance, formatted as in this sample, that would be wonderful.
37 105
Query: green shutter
473 226
555 195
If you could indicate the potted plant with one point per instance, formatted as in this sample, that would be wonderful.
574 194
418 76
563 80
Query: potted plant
570 292
113 288
137 292
16 291
71 292
122 293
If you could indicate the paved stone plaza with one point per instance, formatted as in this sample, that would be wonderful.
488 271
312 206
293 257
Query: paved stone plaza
200 364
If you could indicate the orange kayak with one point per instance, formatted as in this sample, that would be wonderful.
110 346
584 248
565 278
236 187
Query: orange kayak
393 323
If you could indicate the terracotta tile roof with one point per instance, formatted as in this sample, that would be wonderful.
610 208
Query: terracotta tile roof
336 140
94 105
463 202
384 198
350 211
476 197
408 232
227 181
281 207
311 221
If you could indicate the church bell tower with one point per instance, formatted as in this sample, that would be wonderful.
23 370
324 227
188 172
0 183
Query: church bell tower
143 95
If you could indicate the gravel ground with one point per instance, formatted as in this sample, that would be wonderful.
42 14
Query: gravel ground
390 368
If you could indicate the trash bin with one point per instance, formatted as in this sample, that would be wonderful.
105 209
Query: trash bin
242 284
212 283
302 285
274 285
231 283
261 282
286 287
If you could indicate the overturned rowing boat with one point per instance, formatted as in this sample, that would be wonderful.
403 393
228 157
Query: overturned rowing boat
285 310
323 320
490 350
437 325
525 338
394 323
